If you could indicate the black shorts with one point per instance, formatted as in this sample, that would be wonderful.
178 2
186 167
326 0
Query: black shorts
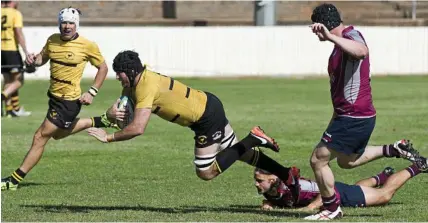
62 113
350 195
12 61
209 129
349 135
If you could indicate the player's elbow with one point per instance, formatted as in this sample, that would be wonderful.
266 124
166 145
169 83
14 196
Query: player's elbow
362 52
132 131
137 131
19 33
102 68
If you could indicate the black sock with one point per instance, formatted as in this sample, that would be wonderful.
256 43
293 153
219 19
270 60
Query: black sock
96 122
3 96
250 141
15 101
17 176
266 163
260 160
230 155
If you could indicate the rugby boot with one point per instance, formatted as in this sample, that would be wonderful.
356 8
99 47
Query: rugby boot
326 215
405 148
265 140
422 163
6 184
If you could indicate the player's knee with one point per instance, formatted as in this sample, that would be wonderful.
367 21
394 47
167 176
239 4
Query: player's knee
204 165
316 162
206 175
313 161
386 197
21 80
320 156
39 137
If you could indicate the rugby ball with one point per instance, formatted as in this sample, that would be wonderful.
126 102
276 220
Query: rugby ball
127 104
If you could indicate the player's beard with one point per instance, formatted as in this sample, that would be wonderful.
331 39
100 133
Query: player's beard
273 190
260 190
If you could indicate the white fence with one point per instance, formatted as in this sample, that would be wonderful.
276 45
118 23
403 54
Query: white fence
234 51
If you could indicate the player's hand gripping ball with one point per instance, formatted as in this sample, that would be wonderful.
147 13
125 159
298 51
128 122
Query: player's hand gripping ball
127 104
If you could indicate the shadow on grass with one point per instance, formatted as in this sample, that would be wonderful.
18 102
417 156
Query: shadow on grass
174 210
251 209
33 184
29 184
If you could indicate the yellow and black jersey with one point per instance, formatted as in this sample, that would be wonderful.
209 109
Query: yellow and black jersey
67 62
169 99
10 19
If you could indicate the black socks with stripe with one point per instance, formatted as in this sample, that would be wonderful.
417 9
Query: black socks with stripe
17 176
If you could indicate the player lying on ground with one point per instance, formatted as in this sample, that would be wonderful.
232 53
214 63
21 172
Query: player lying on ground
216 146
376 190
68 53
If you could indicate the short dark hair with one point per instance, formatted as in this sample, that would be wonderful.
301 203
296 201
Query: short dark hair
328 15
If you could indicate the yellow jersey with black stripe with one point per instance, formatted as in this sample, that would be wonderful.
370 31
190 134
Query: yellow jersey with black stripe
67 62
10 19
169 99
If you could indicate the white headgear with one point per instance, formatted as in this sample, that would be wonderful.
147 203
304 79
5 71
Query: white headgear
69 15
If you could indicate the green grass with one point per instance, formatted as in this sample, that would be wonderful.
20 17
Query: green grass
152 178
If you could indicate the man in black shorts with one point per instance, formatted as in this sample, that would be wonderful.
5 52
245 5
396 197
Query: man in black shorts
216 146
67 53
11 60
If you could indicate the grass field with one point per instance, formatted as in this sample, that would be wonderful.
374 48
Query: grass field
151 178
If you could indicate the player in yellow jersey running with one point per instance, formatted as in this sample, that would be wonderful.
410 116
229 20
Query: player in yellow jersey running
68 53
11 60
216 146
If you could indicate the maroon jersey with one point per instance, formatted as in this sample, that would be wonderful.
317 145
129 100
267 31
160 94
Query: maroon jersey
350 80
284 198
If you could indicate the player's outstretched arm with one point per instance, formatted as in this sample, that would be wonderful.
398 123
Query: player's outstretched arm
266 205
353 48
135 128
314 205
36 60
